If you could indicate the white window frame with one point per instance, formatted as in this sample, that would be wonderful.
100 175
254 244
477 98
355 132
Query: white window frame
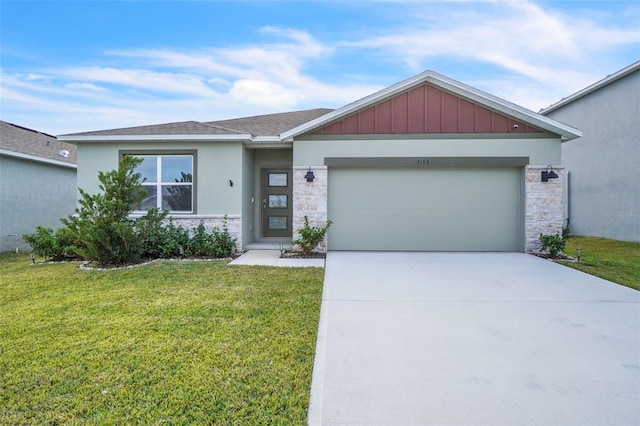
158 184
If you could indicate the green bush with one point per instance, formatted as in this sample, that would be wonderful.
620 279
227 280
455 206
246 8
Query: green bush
102 226
51 245
201 243
103 231
311 236
553 243
218 243
224 244
165 242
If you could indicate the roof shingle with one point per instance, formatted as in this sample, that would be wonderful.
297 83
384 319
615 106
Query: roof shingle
260 125
27 141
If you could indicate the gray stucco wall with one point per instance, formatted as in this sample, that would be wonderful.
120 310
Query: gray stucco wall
33 193
604 165
216 165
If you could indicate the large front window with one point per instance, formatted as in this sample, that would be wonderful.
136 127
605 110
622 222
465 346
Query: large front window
169 182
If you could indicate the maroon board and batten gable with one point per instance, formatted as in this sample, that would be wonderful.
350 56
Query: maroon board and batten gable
425 109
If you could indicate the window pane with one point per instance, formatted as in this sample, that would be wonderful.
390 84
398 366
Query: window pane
177 197
148 168
277 179
277 201
150 199
277 222
177 169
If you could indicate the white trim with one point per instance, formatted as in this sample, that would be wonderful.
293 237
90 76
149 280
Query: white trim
154 138
595 86
37 159
440 81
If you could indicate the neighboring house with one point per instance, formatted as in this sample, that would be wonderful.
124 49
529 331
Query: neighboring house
426 164
604 165
37 183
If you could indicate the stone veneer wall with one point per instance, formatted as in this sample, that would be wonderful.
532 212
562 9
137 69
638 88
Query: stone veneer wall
309 198
543 206
234 223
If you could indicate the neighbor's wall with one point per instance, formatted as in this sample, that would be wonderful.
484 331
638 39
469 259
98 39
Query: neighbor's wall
604 199
33 194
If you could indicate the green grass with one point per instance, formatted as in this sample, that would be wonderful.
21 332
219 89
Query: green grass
166 343
616 261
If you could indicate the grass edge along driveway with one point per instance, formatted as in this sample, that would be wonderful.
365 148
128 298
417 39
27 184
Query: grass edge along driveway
169 342
617 261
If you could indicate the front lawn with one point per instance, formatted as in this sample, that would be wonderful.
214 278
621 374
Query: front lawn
616 261
170 342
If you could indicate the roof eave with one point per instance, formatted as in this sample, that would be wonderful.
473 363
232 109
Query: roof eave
37 158
592 88
155 138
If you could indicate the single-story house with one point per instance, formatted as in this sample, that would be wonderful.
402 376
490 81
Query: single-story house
38 176
604 165
426 164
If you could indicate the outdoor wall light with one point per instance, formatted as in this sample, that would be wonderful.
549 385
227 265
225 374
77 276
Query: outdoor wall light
309 176
548 174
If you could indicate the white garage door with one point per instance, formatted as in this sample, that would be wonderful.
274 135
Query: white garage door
426 210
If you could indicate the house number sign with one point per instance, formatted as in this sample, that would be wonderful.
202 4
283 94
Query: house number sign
422 161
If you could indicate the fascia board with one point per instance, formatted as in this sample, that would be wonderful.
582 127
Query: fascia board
37 159
155 138
438 80
592 88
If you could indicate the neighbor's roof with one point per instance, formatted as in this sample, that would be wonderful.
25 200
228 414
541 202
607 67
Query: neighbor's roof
595 86
21 142
271 125
460 89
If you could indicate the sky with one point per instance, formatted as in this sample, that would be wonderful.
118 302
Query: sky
74 66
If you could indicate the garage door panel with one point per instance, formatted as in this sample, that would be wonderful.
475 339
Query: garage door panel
405 209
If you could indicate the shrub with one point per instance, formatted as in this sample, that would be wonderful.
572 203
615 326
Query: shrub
51 245
224 244
201 243
218 243
553 243
165 242
311 236
101 227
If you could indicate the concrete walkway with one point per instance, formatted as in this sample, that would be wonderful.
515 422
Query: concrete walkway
272 258
473 339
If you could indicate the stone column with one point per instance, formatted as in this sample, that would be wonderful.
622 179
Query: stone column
544 212
309 198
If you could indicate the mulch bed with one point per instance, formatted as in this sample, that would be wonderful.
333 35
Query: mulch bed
300 255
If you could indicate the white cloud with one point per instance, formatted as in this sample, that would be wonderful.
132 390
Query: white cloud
535 55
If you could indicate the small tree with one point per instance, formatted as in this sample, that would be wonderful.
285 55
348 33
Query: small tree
311 236
102 227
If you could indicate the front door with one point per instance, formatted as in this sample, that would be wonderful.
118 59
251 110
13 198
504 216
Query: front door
276 203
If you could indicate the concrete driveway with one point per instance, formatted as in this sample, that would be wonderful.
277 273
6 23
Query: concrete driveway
473 339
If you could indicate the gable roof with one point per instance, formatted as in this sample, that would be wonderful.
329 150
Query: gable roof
22 142
446 84
595 86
